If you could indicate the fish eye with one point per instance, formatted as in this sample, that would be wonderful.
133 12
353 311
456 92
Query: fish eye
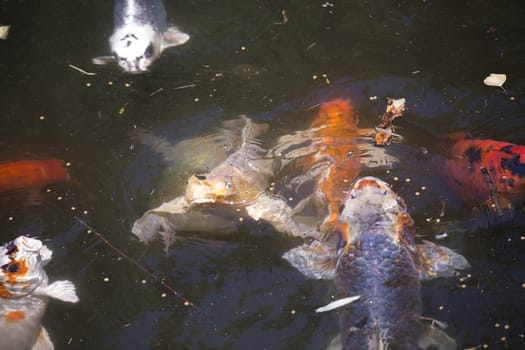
11 267
228 184
149 51
200 177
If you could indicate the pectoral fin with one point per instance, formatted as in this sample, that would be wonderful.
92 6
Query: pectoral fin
437 261
43 342
315 260
102 60
61 290
173 37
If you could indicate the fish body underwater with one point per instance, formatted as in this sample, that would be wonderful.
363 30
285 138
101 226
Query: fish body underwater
334 154
487 171
240 183
381 264
140 35
25 292
23 174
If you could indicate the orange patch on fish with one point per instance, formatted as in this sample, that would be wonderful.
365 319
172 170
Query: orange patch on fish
336 126
25 174
15 316
481 169
21 270
4 293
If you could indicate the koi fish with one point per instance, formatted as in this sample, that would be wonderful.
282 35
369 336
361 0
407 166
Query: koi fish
140 35
487 171
381 267
25 292
332 153
241 181
27 174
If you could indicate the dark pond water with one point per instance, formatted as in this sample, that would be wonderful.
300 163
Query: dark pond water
240 61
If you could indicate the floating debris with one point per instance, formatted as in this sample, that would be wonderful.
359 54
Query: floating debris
496 80
337 304
4 31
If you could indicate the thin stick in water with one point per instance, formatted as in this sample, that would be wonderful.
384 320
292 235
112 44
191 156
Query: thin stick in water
137 264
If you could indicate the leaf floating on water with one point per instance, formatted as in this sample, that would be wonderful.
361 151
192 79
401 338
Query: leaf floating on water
4 31
337 304
495 80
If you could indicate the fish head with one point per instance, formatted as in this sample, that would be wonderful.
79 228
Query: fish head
22 266
210 188
370 204
333 111
136 47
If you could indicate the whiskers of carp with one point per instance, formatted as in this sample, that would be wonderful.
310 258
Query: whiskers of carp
158 279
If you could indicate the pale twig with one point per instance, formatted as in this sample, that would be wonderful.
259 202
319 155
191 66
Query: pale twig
81 70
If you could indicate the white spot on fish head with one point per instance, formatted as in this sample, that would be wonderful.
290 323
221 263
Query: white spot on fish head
135 47
370 201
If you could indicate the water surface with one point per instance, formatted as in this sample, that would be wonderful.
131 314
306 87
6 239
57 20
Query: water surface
242 59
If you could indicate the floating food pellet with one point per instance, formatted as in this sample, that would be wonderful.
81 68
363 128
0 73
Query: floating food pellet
290 198
243 48
73 208
85 212
438 220
48 190
441 307
163 295
196 99
127 84
68 164
10 218
88 232
423 188
241 219
106 279
88 84
463 285
417 193
496 325
186 303
292 312
506 326
42 117
59 198
110 83
388 171
314 77
143 281
407 179
372 98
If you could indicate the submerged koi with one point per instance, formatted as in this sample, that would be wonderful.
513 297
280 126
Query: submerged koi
27 174
24 293
328 153
382 265
241 181
487 171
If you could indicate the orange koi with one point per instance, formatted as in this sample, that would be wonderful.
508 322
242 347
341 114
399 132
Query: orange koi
487 171
25 174
336 126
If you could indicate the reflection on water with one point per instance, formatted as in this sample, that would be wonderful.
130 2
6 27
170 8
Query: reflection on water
434 54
